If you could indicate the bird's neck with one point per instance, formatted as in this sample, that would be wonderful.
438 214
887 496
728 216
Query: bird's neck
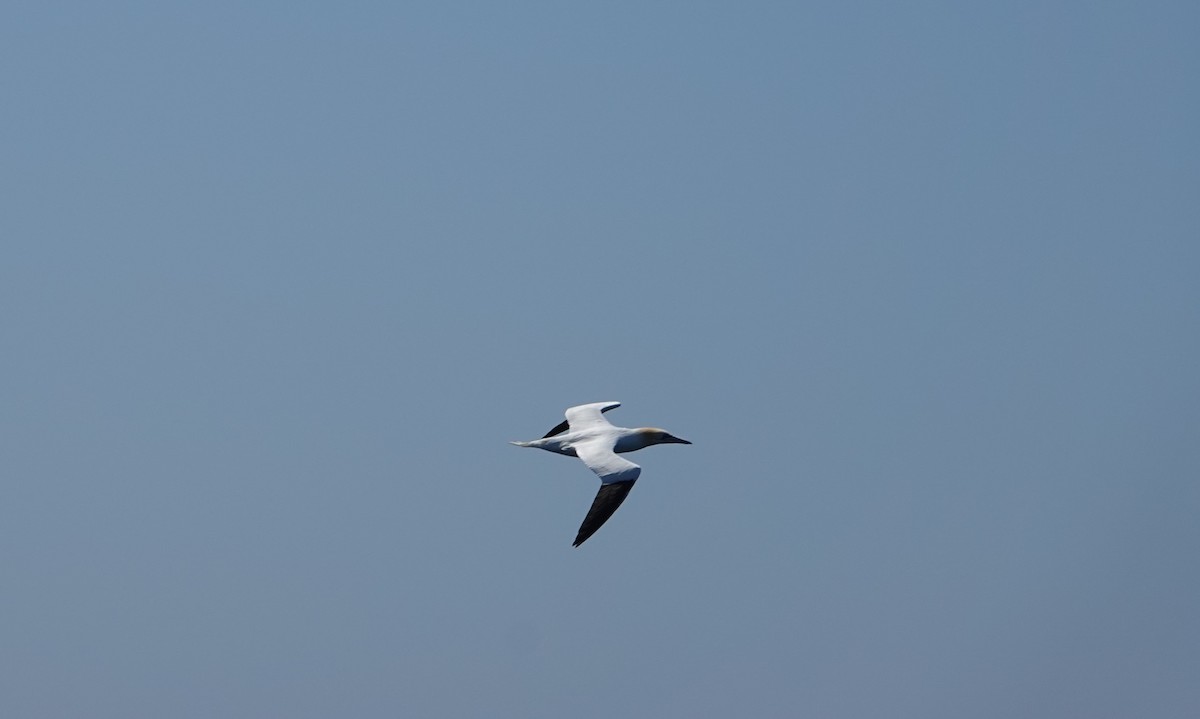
633 440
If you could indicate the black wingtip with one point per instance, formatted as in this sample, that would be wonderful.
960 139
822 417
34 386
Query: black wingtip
564 425
558 429
607 500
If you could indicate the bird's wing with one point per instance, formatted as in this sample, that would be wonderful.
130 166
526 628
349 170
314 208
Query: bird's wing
617 476
585 415
599 457
606 502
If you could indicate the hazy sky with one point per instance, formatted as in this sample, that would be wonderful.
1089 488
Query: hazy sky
280 280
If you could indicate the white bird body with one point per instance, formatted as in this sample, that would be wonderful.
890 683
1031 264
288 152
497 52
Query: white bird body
586 434
620 439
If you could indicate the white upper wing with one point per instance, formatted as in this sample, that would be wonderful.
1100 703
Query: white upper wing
599 457
589 415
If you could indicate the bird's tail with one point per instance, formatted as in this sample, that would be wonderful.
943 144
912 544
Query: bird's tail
522 444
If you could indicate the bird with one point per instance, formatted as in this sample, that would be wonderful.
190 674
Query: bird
588 435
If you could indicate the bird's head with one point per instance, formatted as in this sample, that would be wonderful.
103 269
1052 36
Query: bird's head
661 436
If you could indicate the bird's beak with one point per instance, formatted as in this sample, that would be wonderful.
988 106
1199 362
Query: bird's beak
675 440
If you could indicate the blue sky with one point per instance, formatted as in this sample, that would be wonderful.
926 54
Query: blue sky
281 280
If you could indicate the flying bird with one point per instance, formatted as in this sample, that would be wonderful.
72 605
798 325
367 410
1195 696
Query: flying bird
586 434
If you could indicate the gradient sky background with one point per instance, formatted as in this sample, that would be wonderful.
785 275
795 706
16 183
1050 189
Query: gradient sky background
280 280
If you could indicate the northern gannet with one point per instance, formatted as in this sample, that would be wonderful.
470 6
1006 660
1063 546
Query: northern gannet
586 434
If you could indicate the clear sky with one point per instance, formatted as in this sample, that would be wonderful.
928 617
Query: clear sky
280 281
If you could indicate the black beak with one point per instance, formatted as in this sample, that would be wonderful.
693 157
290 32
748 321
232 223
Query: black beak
675 440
